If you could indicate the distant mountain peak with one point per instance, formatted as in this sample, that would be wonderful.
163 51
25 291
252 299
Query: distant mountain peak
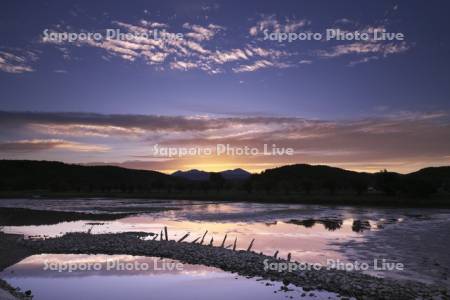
194 174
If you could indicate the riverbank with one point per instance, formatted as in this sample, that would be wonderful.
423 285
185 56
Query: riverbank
370 199
15 216
11 252
243 262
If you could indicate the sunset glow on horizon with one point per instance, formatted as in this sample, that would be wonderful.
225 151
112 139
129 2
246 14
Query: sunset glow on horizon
72 93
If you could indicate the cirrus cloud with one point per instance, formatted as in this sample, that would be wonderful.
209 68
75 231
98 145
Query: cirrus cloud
402 141
27 146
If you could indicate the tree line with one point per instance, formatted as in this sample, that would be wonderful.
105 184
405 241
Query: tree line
23 175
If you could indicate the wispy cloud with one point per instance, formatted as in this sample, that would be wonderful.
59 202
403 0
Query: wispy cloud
365 51
17 62
27 146
365 48
211 47
197 50
260 64
86 130
272 24
402 137
200 33
202 46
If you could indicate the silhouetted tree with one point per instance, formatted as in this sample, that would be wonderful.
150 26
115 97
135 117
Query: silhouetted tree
331 186
217 180
417 187
248 186
307 186
387 182
359 186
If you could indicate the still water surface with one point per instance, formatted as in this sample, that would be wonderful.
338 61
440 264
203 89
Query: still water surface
311 233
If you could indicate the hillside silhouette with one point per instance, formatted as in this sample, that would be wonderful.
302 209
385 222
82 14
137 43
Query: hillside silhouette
194 174
309 178
292 182
58 176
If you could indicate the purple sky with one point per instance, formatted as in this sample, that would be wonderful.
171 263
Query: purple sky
362 105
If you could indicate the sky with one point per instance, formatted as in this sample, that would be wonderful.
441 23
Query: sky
226 74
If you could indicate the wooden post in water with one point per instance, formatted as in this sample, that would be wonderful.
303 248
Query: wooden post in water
234 245
165 231
155 237
193 242
250 246
184 237
203 237
223 242
211 242
276 254
161 236
289 257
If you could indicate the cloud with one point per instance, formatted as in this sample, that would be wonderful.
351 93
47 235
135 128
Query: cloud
344 21
89 121
202 46
27 146
401 140
271 53
200 33
197 47
17 63
365 48
195 51
222 57
260 64
365 51
182 65
150 24
86 130
272 24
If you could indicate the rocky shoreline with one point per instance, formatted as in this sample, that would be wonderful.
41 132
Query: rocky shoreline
7 292
242 262
11 252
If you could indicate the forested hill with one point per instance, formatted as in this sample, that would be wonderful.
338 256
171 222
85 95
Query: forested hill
58 176
300 179
310 178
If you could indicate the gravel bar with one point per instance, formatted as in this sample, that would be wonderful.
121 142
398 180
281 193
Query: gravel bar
245 263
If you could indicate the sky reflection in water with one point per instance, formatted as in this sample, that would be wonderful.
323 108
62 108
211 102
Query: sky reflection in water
192 282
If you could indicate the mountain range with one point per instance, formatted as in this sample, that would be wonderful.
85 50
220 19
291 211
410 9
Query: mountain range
194 174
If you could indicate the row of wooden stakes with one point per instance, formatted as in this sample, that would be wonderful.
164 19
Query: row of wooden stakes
165 236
